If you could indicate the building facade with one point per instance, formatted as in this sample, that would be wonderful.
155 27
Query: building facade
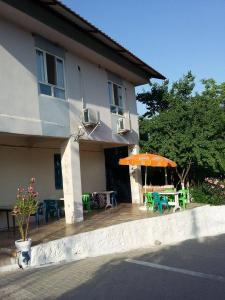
67 97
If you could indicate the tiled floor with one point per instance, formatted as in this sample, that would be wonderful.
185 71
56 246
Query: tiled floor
94 220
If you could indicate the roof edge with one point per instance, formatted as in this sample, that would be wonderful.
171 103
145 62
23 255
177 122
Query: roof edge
58 16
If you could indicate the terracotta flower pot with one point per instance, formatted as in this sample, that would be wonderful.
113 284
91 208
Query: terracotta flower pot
23 253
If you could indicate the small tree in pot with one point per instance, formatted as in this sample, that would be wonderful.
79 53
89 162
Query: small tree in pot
26 205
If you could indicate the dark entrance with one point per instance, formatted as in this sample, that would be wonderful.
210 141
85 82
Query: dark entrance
117 177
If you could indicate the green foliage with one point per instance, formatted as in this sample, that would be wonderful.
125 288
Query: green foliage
198 195
156 100
203 194
190 129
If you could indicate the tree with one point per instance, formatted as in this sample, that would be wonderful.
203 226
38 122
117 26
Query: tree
156 100
191 129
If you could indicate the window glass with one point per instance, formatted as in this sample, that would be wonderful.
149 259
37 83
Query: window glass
50 74
120 110
113 109
40 66
45 89
116 95
50 64
110 91
59 93
59 73
120 96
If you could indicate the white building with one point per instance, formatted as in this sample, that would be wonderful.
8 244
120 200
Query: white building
67 97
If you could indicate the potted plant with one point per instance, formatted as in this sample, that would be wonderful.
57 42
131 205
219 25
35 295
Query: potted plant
26 205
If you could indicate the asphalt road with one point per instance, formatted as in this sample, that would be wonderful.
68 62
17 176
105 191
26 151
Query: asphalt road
192 270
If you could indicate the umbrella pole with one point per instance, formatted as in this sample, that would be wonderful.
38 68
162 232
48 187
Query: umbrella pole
166 180
145 178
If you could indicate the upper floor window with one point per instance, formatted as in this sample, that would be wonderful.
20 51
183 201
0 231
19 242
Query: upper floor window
50 72
116 97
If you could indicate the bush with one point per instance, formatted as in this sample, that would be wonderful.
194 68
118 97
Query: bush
212 191
26 205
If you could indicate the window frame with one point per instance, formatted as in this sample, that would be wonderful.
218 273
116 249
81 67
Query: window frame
117 107
52 86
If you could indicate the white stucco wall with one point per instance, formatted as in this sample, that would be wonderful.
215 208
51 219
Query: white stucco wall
23 111
18 165
19 106
92 170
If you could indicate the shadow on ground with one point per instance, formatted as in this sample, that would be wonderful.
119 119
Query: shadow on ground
111 277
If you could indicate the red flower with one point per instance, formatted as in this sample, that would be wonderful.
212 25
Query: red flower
30 189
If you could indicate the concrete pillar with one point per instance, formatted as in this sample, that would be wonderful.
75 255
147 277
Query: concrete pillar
135 178
72 181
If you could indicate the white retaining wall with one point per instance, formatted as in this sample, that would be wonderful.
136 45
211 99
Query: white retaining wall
169 229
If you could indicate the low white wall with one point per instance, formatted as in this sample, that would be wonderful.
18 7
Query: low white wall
168 229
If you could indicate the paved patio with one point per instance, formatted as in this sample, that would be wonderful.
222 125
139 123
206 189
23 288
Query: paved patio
96 219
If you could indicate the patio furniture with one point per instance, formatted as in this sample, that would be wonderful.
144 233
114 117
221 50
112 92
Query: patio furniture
52 209
175 202
39 212
170 197
183 197
86 200
98 200
160 202
149 202
8 210
107 195
113 198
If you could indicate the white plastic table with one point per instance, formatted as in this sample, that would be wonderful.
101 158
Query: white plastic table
8 210
176 199
107 193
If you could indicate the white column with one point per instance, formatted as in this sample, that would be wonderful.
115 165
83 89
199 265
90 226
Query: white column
72 181
135 178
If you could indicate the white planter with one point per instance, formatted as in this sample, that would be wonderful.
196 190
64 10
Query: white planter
23 253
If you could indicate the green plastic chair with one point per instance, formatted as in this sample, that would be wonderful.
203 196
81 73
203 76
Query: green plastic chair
149 202
183 197
86 200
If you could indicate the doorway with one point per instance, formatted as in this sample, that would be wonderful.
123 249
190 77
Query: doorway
117 177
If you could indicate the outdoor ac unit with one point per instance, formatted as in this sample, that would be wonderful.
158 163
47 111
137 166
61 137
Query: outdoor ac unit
89 117
123 125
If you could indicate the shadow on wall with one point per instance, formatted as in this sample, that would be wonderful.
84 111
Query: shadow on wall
195 227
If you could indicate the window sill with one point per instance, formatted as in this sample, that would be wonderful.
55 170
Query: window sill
54 98
115 114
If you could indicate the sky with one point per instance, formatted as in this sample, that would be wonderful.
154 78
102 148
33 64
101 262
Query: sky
172 36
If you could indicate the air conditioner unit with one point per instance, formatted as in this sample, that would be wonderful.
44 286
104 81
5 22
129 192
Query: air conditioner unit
123 125
89 117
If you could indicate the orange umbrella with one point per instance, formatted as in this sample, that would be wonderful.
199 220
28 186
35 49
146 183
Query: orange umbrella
147 159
